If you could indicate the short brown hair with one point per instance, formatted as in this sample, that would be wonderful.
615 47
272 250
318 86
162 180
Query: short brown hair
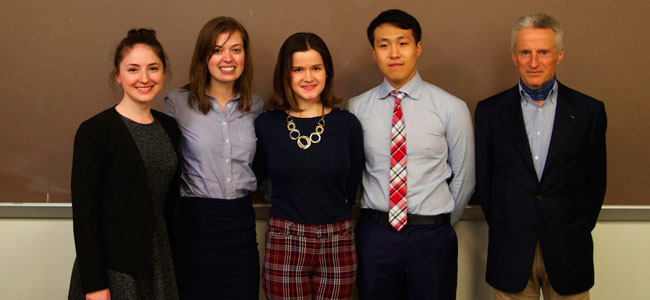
199 73
283 97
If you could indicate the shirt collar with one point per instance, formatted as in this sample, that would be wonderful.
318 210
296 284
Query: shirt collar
413 88
526 99
236 98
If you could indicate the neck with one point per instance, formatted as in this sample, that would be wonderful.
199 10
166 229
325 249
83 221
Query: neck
309 109
221 91
136 111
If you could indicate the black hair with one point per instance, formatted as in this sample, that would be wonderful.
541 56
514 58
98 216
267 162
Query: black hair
398 18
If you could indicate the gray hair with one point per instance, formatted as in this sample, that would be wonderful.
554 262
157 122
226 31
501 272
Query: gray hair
538 20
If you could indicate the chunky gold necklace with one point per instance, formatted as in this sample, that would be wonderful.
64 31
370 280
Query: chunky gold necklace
302 140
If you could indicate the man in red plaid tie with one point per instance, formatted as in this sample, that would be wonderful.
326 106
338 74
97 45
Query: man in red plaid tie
419 172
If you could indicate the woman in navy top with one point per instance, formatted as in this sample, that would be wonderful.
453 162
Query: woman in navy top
313 155
215 113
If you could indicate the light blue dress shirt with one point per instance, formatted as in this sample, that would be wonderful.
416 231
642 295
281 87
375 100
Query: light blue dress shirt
439 145
539 122
217 148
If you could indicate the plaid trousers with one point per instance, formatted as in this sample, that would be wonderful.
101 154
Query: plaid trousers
309 261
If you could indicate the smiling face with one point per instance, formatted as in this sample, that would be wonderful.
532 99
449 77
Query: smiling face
535 56
141 74
226 63
396 53
308 75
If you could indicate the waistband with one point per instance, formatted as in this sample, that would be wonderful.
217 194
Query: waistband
309 230
380 216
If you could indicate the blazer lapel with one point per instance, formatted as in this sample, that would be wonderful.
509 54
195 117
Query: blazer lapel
513 123
565 121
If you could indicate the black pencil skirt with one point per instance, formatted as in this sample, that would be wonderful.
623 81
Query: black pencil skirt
218 252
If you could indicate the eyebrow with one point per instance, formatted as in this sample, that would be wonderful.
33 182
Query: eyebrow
401 37
221 46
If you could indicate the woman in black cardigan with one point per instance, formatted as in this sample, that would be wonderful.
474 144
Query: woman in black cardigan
123 174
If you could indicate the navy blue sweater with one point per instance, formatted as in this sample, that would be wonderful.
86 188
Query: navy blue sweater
316 185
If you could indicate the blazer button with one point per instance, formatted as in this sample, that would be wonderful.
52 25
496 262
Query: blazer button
539 197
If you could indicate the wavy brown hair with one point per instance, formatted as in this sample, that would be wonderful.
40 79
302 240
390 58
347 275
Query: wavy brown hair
199 73
283 97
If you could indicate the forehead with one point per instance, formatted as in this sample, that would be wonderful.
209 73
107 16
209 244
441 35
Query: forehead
229 38
535 38
140 54
388 31
306 58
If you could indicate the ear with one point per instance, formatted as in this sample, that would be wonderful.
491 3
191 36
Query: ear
374 54
514 59
117 77
560 56
418 48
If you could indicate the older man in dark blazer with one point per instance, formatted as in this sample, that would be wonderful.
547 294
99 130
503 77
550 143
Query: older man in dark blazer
541 173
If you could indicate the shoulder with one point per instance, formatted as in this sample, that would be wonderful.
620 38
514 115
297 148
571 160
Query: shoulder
97 125
257 104
102 119
344 116
499 99
163 118
177 94
436 94
582 99
268 116
355 102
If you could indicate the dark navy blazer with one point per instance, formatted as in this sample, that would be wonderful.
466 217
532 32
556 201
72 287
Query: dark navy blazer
560 210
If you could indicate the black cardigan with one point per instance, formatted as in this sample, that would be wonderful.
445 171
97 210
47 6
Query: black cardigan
111 202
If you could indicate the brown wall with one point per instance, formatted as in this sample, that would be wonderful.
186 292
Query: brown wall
55 60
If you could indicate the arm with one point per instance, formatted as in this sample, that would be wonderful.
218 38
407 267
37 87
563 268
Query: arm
259 161
597 165
483 161
86 184
104 294
169 107
357 160
460 143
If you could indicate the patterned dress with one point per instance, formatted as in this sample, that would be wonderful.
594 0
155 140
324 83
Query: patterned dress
160 162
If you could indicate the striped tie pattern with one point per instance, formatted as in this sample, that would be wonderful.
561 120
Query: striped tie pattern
397 207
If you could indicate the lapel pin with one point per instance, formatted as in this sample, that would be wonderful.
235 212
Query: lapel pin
572 116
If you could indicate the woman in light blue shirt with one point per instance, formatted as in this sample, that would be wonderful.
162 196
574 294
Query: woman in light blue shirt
217 248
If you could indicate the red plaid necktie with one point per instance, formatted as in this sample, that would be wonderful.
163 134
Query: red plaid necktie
397 207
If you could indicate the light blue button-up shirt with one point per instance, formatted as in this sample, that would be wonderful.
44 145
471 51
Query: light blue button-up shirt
439 146
539 125
217 148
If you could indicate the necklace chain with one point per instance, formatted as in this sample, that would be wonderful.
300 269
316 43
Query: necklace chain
304 141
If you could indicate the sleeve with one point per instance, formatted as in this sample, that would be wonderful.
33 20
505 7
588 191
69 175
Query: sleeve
357 160
460 143
86 183
259 162
169 107
597 164
483 161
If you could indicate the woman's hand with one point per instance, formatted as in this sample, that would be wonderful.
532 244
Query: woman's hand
104 294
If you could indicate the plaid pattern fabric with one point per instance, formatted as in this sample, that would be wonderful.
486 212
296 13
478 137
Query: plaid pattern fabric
309 261
397 206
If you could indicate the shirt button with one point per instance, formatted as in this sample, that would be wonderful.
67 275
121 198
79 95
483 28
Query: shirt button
228 179
227 141
538 133
228 104
539 109
227 160
224 123
536 157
